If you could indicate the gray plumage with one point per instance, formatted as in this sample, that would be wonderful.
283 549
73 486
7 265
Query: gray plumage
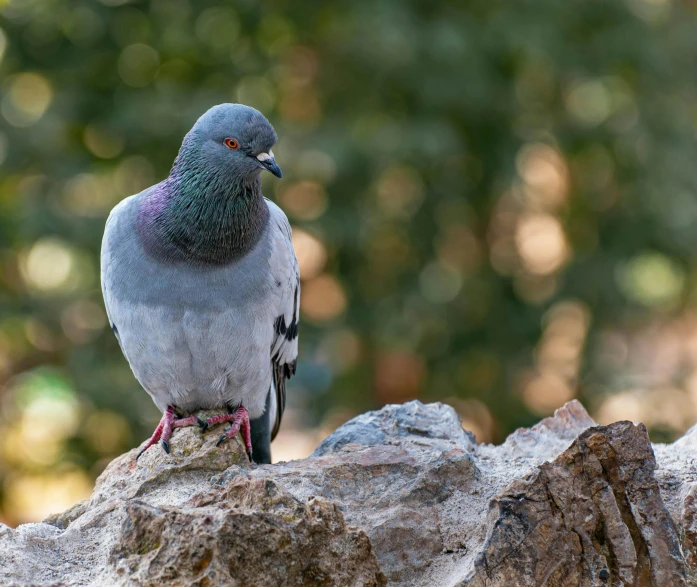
200 279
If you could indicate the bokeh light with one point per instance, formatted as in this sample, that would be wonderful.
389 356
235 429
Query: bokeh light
137 65
305 200
48 265
311 253
27 97
323 298
541 243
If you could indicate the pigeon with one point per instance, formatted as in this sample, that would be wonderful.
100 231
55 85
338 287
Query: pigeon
201 284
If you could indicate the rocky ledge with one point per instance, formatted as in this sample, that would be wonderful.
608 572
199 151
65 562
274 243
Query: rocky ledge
401 496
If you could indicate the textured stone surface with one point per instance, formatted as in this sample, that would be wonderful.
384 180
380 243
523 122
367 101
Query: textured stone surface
403 491
398 490
593 513
677 479
162 521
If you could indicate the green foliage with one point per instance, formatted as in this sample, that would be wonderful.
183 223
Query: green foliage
494 204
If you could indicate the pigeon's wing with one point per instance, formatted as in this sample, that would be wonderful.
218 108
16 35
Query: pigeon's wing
284 350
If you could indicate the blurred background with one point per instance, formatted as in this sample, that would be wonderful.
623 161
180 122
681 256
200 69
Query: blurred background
494 205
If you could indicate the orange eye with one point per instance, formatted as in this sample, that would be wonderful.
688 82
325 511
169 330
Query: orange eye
231 143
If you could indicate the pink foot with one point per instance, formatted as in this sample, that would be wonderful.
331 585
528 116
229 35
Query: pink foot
240 422
169 422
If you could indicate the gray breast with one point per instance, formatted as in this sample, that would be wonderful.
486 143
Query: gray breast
195 337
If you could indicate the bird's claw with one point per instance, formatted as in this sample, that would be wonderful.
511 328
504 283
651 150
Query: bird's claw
169 422
240 423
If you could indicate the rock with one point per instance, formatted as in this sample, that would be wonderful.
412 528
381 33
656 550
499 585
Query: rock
593 513
395 488
161 521
251 532
677 479
413 419
403 491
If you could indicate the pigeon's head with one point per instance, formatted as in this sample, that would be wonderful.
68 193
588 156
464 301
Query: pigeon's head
235 140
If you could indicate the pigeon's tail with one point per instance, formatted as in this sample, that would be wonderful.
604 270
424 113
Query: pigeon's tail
261 433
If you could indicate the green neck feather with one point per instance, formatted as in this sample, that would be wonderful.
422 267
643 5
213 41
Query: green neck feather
204 217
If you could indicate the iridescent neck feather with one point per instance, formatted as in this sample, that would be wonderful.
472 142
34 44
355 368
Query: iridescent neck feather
202 216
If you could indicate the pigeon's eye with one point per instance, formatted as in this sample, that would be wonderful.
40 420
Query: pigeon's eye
231 144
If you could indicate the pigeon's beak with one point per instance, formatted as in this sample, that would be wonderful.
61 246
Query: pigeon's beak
269 163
